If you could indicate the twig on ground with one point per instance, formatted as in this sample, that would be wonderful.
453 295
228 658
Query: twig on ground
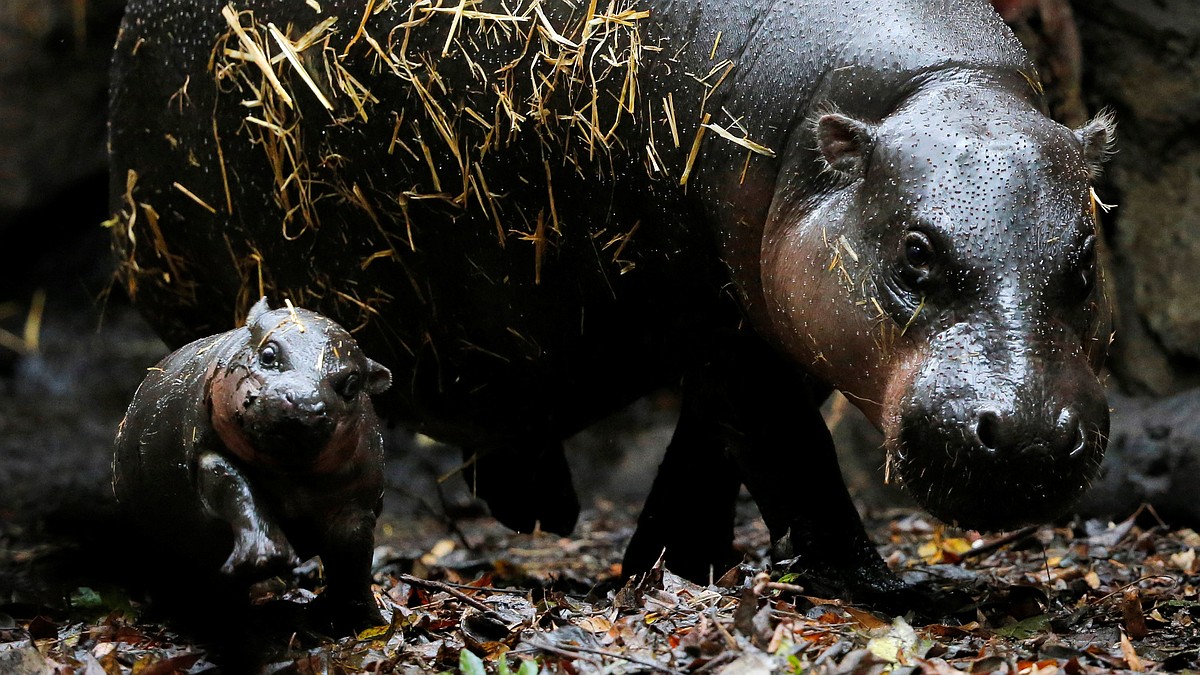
445 588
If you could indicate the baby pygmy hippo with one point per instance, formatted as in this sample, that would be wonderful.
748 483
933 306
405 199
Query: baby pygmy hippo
243 452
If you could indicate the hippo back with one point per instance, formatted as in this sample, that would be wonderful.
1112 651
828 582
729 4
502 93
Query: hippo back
482 226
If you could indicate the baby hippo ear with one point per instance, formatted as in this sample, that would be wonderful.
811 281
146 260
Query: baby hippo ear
845 143
1097 138
379 378
261 307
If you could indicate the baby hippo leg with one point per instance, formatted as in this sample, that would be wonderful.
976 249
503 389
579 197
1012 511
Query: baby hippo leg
259 545
346 548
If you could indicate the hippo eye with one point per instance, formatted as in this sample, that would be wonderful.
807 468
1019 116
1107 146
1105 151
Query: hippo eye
350 385
916 258
1087 265
918 250
268 356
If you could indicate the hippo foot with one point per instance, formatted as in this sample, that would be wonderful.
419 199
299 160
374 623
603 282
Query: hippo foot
878 588
700 560
257 555
692 537
335 615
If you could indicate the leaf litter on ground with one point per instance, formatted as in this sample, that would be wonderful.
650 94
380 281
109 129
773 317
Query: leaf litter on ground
1086 597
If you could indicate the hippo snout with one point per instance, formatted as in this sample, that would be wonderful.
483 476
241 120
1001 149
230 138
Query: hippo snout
999 452
1018 432
292 420
310 403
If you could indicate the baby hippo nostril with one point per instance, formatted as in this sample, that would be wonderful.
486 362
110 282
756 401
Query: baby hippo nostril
311 404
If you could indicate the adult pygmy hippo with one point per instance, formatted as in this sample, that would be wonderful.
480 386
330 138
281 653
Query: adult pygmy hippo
537 212
242 451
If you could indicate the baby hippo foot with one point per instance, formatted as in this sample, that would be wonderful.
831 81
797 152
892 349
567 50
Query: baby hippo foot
258 555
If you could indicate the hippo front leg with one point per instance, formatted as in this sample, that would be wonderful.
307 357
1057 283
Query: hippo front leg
787 460
748 400
260 547
346 548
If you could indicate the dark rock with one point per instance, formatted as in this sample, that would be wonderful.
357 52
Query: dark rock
1153 458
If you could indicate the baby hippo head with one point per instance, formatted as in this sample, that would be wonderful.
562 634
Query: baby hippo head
295 392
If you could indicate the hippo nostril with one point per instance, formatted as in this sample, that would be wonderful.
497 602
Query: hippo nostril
312 404
1078 440
1069 428
1029 435
987 429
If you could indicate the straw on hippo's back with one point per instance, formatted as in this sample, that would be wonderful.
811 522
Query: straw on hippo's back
539 214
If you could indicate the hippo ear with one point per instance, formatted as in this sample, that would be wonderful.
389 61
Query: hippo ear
379 378
845 143
261 307
1097 138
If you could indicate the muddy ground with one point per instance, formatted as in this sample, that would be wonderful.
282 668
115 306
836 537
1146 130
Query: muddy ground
464 595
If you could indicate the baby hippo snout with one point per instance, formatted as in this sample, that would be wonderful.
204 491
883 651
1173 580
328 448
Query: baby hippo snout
306 403
294 418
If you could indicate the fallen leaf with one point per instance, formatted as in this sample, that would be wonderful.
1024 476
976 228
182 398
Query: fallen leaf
1023 630
1131 657
469 664
1185 561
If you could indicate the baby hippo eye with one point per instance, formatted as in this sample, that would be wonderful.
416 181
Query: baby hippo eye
268 356
350 385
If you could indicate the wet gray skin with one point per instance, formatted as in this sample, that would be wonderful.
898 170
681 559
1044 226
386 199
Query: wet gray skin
976 261
245 452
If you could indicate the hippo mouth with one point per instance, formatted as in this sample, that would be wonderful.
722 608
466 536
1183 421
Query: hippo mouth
288 439
970 478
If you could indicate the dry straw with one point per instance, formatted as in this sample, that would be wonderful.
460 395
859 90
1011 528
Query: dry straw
567 88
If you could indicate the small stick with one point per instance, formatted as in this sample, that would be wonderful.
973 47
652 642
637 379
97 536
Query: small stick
576 650
192 195
255 53
1000 542
691 160
439 586
293 58
361 25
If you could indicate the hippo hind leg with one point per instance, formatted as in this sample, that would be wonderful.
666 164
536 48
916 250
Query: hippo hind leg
527 484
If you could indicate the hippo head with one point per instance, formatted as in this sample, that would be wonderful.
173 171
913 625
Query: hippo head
957 299
295 394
